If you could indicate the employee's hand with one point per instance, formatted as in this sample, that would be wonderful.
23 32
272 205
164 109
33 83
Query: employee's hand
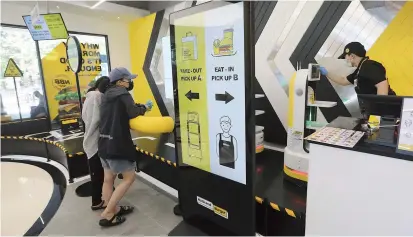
149 105
323 71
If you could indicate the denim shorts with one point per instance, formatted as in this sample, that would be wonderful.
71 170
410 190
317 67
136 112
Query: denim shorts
118 166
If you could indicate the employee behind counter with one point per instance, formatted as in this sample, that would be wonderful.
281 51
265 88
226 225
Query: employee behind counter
369 76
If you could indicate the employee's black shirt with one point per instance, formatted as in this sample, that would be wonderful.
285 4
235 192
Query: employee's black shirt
367 75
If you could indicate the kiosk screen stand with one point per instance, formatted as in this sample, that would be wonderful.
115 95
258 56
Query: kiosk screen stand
213 72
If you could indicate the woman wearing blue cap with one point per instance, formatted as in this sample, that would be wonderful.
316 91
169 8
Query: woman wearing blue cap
116 148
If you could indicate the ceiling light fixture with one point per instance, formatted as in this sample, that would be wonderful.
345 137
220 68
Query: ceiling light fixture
118 17
57 7
97 4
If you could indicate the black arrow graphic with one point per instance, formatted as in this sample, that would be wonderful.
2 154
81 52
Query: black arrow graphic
224 97
190 95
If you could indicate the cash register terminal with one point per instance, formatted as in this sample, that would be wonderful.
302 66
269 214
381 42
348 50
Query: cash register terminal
389 109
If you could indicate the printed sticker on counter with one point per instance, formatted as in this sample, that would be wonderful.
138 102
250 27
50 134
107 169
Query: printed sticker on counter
204 203
217 210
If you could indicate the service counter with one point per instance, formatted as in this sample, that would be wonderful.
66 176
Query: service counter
363 190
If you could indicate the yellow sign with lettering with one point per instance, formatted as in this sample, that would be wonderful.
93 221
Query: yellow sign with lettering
12 70
193 103
60 81
56 26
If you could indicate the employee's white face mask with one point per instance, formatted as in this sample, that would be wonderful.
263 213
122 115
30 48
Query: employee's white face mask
345 63
348 63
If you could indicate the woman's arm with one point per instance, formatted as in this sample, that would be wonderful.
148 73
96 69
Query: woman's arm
134 110
95 119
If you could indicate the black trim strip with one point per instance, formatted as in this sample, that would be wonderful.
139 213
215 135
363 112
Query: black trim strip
310 44
262 13
147 64
59 189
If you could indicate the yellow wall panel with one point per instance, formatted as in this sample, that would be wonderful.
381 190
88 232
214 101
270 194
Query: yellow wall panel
394 49
140 32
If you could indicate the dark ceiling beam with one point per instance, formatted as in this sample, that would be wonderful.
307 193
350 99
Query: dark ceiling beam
152 6
155 6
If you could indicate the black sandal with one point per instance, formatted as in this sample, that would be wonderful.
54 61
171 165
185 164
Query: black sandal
114 221
98 207
124 210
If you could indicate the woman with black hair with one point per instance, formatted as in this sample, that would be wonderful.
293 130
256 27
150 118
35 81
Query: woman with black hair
91 118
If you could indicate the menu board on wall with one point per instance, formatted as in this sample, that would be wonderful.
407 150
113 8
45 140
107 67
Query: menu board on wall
211 90
47 27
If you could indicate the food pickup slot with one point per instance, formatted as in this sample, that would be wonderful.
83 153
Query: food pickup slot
364 171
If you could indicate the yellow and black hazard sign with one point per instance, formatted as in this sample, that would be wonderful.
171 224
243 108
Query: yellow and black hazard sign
12 70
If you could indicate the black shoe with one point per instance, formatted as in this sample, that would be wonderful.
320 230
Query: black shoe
120 176
177 210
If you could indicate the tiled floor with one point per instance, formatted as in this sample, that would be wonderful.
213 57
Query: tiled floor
20 192
153 215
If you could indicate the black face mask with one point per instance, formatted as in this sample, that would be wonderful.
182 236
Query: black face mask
130 86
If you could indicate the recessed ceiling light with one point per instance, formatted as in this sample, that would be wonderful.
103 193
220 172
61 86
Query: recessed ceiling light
118 17
57 7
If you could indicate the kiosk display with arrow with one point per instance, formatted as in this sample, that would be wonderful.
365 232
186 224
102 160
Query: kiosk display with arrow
212 88
215 139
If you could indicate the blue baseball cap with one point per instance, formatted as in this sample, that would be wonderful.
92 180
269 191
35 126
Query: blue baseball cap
120 73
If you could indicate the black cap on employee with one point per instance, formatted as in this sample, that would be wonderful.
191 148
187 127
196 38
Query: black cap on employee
354 48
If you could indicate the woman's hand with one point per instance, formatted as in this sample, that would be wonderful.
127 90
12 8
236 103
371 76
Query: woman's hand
149 105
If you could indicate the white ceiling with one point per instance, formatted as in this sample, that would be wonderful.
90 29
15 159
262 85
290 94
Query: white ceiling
106 9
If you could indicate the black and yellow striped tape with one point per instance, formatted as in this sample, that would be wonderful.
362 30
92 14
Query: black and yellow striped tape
156 157
36 139
257 199
288 211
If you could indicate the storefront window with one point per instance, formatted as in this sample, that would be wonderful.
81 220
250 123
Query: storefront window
17 43
60 81
24 97
100 42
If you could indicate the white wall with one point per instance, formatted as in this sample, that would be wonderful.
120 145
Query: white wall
82 20
352 193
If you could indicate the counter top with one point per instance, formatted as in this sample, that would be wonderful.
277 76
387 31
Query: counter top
367 145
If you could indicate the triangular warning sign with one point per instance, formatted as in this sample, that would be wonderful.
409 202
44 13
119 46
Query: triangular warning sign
12 70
